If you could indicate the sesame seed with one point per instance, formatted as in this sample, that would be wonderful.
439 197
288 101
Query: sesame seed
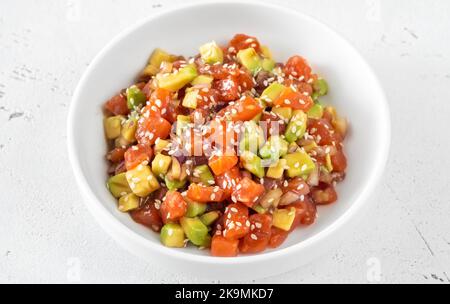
253 236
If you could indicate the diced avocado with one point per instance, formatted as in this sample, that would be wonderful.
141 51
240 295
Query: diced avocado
316 111
173 184
210 217
129 129
328 163
190 99
149 70
211 53
250 60
202 79
266 52
113 126
283 218
252 163
284 112
251 137
268 64
142 181
274 148
293 147
175 81
259 209
296 127
320 86
135 97
160 145
298 164
204 174
272 92
172 235
128 202
158 56
161 164
194 209
183 122
196 231
118 185
276 171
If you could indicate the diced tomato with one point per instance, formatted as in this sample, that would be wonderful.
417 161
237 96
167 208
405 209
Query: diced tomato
324 196
220 164
117 105
228 89
173 207
205 194
242 41
148 216
207 97
305 212
116 155
277 237
242 110
248 191
258 237
228 180
297 185
297 66
339 161
137 154
223 247
322 130
301 86
245 81
236 221
151 128
294 99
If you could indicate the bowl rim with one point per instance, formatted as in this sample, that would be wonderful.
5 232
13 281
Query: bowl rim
97 209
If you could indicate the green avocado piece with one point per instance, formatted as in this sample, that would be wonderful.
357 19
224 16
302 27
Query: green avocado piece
250 60
320 86
252 163
316 111
118 185
210 217
268 64
135 97
299 164
272 92
211 53
174 184
190 99
128 202
196 231
284 112
274 148
194 209
296 127
172 235
202 79
183 122
204 174
175 81
113 126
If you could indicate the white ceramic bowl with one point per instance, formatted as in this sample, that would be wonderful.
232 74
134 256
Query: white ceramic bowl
354 90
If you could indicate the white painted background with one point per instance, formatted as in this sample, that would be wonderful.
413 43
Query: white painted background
47 235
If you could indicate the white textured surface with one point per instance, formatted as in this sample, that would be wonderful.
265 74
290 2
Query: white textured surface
47 235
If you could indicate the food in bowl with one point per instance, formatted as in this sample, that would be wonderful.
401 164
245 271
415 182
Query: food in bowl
228 150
